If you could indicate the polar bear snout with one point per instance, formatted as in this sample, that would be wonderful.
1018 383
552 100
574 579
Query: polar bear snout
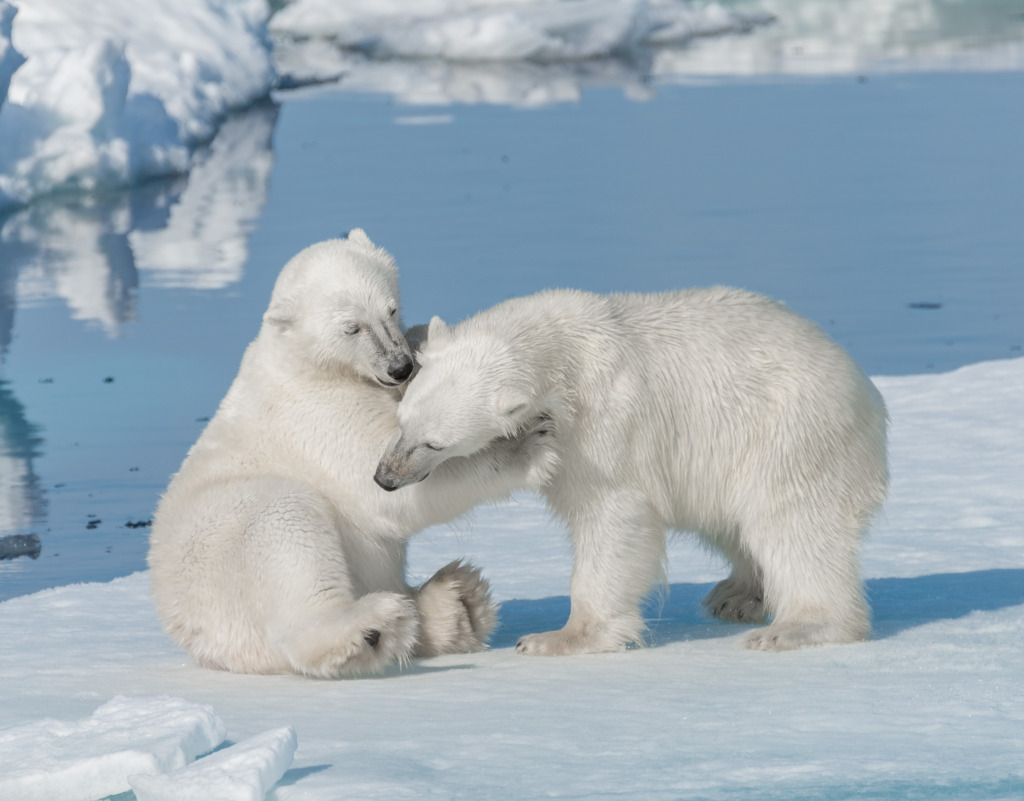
401 368
384 481
401 466
391 477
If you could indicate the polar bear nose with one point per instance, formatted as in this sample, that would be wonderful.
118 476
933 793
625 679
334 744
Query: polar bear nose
402 370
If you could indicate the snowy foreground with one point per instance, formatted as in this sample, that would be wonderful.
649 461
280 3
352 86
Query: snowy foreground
931 708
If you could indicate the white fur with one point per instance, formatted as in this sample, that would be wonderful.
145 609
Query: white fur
272 550
712 411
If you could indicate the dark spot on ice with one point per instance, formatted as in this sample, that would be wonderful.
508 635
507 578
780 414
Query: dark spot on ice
138 524
108 380
924 305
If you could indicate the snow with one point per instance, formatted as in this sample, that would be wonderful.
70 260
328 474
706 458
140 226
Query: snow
500 30
931 707
536 52
116 92
243 772
61 760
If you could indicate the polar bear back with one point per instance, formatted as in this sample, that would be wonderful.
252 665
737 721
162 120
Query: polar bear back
724 393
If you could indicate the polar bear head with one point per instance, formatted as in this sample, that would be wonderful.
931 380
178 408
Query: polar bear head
469 392
335 309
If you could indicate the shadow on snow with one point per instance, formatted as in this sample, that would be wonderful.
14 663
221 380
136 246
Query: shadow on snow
897 604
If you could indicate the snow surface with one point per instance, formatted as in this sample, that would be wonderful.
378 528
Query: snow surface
118 91
243 772
931 708
80 760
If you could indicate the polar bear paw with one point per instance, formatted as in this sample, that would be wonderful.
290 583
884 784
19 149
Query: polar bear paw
598 637
456 612
787 636
375 631
737 601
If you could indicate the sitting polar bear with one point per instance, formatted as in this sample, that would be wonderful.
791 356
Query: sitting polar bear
713 411
272 550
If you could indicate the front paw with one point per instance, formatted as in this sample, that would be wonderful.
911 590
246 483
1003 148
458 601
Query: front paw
569 641
456 612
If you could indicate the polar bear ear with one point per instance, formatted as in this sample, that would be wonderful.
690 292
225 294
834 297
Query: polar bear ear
281 314
514 407
357 236
437 331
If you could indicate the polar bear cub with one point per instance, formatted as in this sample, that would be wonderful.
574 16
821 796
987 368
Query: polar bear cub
272 550
713 411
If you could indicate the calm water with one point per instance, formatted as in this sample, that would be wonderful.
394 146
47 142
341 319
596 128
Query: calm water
888 210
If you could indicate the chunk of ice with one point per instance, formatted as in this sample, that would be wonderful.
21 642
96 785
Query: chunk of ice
243 772
82 760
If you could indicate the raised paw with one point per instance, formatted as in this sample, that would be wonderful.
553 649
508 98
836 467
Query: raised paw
456 612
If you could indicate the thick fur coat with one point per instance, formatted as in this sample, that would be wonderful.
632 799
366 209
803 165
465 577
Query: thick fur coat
272 550
712 411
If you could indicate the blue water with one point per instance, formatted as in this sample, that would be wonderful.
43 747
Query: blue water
888 210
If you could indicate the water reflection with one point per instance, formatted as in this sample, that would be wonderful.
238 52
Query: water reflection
808 37
90 250
93 252
22 503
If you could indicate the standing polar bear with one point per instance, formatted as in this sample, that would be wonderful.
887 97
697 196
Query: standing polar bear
272 550
713 411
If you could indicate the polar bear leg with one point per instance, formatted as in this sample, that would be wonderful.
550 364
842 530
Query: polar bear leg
619 548
456 611
313 614
812 585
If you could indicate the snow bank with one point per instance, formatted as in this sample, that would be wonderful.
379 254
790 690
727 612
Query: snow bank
504 30
515 52
243 772
531 52
116 92
60 760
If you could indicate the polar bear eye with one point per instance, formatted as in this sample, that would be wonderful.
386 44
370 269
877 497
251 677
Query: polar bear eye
392 311
352 328
433 446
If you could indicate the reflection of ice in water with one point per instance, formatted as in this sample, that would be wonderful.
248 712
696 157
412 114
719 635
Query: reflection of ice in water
531 53
204 244
193 232
21 499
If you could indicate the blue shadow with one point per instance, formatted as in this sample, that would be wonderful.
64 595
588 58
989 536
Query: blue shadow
897 604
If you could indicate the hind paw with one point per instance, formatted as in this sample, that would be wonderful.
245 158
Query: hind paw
736 601
456 611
